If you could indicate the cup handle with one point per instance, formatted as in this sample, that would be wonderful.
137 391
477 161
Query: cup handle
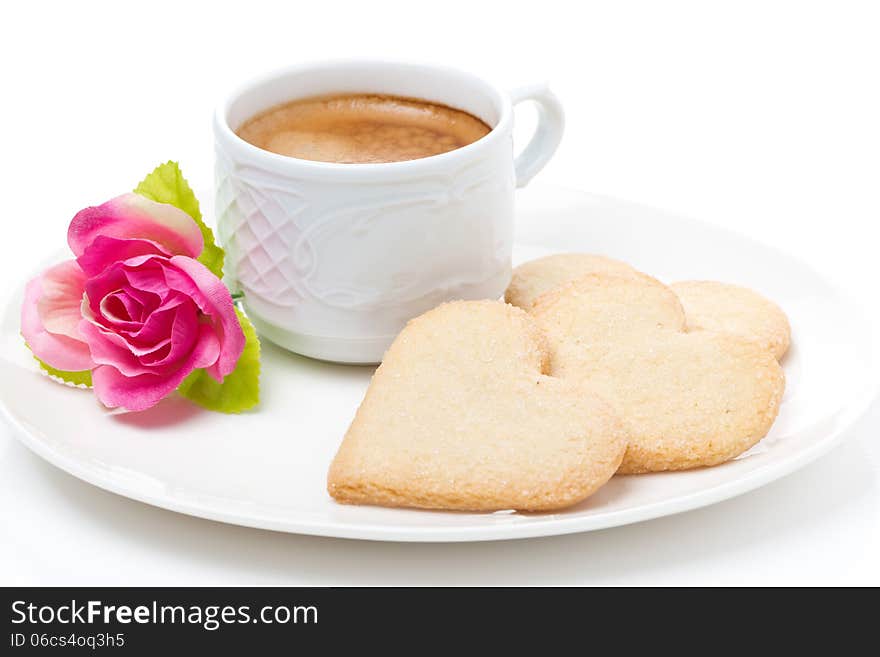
548 133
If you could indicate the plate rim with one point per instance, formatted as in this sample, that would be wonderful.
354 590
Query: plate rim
846 416
458 534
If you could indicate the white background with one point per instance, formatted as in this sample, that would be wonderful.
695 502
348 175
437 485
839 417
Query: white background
760 116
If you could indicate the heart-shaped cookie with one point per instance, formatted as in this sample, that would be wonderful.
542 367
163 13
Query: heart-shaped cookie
725 308
708 305
535 277
461 415
690 399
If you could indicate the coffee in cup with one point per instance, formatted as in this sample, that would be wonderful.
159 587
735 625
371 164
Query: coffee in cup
361 128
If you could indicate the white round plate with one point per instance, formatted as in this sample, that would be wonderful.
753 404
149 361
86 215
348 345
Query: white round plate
267 468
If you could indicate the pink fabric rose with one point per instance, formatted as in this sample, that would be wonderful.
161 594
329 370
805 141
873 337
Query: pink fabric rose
135 307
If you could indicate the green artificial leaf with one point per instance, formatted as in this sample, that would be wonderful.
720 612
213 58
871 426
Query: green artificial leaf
166 184
240 389
83 378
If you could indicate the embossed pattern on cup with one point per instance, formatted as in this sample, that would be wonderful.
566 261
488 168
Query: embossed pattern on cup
337 265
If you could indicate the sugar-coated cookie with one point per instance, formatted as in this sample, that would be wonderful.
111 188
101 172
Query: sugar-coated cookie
709 305
532 279
461 415
733 309
689 399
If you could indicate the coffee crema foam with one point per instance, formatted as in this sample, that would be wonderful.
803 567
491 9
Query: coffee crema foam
361 128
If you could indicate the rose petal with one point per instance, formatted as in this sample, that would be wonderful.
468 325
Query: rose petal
109 348
158 357
147 273
137 393
193 280
115 310
193 326
97 288
104 251
57 350
213 297
158 325
61 298
116 279
184 331
148 301
132 216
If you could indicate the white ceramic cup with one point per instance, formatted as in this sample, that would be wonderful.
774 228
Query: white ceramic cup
333 259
